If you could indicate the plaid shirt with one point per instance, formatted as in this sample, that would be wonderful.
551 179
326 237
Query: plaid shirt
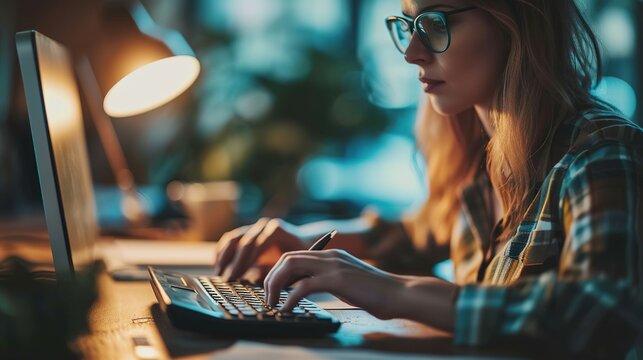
570 273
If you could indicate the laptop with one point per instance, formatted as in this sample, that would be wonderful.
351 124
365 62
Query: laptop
195 302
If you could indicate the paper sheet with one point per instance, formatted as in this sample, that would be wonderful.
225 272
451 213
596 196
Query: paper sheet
329 302
129 259
157 252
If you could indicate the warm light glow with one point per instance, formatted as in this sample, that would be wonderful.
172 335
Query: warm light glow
146 352
63 109
151 86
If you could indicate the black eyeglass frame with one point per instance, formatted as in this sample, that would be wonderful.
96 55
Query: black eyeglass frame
413 26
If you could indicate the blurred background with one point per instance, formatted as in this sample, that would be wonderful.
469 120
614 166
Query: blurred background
305 104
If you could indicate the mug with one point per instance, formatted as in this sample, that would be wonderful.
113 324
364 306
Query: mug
211 207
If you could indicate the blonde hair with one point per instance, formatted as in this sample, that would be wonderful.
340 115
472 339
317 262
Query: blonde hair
553 58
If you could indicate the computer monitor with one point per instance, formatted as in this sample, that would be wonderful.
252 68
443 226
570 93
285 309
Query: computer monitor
56 120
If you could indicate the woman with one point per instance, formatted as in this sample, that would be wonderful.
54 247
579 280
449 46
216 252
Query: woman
535 189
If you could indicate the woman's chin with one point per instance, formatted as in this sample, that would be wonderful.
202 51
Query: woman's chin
444 107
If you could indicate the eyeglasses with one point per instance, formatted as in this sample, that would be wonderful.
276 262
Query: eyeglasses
431 26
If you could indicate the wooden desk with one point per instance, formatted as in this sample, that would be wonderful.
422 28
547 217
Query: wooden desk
129 309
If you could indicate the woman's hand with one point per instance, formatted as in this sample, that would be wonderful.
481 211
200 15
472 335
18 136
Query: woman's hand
339 273
420 298
238 250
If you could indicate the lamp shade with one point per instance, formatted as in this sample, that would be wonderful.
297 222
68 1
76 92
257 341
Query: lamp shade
143 66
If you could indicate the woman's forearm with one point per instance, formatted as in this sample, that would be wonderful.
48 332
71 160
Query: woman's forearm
428 300
358 225
351 233
386 243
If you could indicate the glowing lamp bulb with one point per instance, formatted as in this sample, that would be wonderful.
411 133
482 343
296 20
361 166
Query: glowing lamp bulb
151 86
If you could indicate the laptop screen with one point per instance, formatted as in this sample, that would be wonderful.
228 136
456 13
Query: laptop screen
55 117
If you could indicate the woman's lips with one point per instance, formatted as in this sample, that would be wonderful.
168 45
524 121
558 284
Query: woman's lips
430 84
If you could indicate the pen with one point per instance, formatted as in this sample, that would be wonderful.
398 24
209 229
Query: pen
321 243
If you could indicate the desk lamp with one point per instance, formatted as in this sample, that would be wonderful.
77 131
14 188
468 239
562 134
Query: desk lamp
145 66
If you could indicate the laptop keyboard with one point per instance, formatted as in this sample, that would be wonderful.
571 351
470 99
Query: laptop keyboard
243 301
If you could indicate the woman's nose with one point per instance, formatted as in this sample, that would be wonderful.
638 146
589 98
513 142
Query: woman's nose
416 52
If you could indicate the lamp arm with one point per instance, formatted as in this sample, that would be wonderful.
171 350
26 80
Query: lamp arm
131 203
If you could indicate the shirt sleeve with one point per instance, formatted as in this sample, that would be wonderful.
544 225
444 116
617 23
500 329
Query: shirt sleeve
593 302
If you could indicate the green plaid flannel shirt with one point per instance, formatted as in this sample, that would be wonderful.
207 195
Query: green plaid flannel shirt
570 275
